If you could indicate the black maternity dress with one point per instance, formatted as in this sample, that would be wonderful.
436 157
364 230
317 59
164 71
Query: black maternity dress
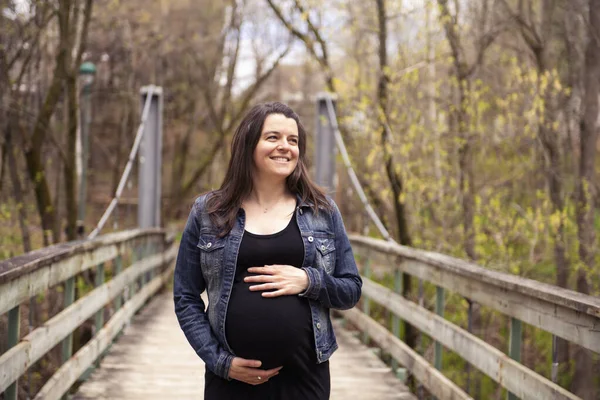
277 331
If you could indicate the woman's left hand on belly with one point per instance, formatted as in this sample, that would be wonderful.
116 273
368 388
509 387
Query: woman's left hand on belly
281 279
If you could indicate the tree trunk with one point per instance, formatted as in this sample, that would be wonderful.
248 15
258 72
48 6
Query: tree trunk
17 189
583 382
554 175
33 152
464 72
393 177
3 162
74 20
69 168
180 157
37 174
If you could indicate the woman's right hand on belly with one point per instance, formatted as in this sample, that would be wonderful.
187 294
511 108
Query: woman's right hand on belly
248 371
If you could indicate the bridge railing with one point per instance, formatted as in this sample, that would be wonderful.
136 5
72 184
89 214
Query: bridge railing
564 313
141 263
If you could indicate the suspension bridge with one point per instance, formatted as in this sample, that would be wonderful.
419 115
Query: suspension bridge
138 351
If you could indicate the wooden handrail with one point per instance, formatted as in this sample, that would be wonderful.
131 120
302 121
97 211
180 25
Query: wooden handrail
562 312
27 275
15 267
565 313
552 294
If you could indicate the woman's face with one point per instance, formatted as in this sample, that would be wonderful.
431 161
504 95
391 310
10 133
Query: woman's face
276 153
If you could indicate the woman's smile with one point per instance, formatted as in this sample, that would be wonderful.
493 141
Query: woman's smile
281 159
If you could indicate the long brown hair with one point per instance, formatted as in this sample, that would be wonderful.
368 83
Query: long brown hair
224 203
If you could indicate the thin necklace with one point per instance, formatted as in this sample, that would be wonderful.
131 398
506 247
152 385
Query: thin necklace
266 209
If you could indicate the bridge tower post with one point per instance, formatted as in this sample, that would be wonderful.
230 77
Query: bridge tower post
150 160
324 146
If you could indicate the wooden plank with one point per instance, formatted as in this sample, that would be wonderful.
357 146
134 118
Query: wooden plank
432 379
534 289
567 314
69 372
33 346
136 366
517 378
358 373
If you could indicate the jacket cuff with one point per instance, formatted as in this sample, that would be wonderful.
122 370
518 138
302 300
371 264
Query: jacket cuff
223 365
314 283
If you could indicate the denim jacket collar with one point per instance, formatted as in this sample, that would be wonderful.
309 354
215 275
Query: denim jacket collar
303 204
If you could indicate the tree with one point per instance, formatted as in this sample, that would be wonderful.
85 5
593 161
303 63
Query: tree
582 382
538 39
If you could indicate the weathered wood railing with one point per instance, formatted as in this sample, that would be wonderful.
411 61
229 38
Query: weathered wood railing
148 252
564 313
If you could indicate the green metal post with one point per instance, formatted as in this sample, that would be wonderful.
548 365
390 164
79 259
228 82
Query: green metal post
100 313
395 320
439 310
117 269
135 256
143 254
14 322
366 301
67 343
149 252
99 282
514 346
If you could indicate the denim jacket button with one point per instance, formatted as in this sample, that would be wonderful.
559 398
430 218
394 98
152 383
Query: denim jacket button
310 239
320 353
208 245
318 325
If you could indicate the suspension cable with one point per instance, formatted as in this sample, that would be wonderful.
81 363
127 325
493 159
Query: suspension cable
128 167
353 178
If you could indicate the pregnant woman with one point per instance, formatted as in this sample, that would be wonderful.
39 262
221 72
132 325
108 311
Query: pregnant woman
271 250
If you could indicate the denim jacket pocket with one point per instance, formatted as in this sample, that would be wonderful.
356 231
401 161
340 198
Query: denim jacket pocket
326 253
211 254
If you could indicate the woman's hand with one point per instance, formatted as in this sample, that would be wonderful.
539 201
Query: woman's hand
247 371
283 279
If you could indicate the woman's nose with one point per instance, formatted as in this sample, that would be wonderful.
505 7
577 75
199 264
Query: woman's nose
283 146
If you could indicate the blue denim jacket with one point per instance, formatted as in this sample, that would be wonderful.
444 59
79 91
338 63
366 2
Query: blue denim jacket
206 261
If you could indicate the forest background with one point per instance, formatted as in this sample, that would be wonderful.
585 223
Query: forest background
473 126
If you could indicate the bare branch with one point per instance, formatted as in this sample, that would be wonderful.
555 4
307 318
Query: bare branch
314 31
235 26
308 41
257 84
528 31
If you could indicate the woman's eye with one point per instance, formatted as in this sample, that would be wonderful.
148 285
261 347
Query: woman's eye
293 141
271 137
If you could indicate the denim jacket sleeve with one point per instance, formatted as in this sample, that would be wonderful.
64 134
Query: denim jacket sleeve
190 309
342 289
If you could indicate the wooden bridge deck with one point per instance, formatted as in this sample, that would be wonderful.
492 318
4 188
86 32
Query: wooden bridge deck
152 360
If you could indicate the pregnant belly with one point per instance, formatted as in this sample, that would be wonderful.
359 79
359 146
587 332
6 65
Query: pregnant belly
272 330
